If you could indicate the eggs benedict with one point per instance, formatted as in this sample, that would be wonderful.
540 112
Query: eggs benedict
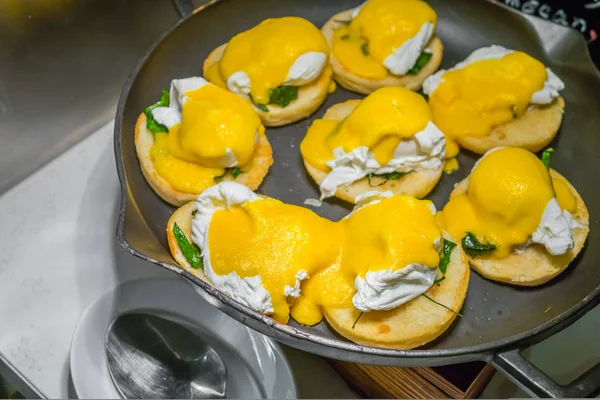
519 221
496 97
387 141
199 134
284 260
384 43
280 67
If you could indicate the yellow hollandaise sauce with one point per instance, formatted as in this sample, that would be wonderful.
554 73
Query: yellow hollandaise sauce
451 165
406 235
276 241
380 121
395 232
379 29
266 53
470 101
507 194
216 125
564 196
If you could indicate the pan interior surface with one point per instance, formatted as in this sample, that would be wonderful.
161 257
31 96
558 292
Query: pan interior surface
493 313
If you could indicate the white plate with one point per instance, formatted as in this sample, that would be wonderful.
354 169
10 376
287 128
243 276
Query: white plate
242 349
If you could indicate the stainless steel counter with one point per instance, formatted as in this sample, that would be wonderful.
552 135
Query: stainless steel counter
62 67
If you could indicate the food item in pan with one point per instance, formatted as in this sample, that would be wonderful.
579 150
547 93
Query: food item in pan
387 141
199 134
384 43
519 221
281 259
279 66
496 97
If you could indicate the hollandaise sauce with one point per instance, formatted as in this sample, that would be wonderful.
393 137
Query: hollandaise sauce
217 128
381 27
266 53
380 122
276 241
472 100
503 205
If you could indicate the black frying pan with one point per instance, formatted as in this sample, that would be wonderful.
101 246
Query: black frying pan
499 320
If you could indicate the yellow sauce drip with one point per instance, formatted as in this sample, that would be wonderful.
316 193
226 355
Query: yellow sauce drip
267 51
379 29
184 176
332 87
472 100
276 241
216 125
504 202
213 75
565 198
450 165
380 122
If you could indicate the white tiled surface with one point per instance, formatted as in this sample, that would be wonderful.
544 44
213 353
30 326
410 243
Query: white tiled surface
58 254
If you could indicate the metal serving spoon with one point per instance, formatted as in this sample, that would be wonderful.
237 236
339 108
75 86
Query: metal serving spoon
151 357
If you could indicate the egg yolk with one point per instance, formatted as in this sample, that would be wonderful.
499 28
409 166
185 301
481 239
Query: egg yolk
216 126
266 53
507 194
380 122
471 101
379 29
276 240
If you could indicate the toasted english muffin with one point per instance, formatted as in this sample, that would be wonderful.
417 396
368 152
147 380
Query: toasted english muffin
365 86
532 131
411 324
417 183
533 266
310 97
252 175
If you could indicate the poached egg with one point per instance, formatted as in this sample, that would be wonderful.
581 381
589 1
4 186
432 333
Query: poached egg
512 202
384 36
279 259
288 51
209 130
391 130
492 86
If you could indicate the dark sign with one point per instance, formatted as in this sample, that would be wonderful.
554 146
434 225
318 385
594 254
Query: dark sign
581 15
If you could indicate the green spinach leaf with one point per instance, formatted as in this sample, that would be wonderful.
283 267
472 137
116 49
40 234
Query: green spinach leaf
235 172
447 248
365 48
547 157
441 305
389 176
190 251
343 21
474 247
151 124
357 318
423 59
283 95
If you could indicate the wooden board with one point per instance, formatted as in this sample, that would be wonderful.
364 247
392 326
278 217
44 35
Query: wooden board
460 381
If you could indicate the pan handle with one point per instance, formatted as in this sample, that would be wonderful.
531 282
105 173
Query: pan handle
183 7
538 384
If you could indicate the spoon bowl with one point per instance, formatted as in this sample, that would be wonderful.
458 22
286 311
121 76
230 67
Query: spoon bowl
152 357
